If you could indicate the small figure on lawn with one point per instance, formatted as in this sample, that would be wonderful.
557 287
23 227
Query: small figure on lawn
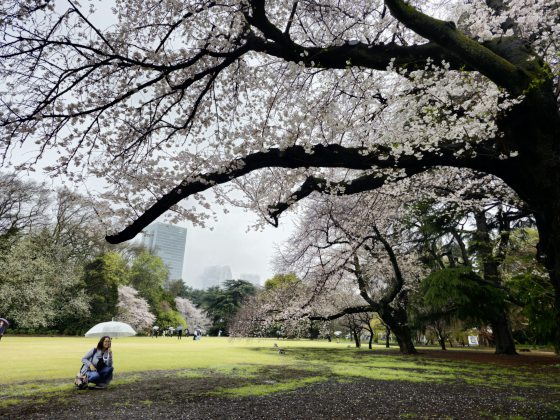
3 326
98 363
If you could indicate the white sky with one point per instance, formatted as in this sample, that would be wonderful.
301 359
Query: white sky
230 244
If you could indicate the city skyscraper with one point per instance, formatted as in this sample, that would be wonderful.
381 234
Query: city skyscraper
168 243
214 275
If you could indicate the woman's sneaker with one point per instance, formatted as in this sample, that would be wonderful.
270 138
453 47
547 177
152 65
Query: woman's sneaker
101 386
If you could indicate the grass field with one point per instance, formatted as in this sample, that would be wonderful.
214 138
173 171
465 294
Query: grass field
42 368
26 358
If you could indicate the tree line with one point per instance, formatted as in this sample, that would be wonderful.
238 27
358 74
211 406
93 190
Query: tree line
59 275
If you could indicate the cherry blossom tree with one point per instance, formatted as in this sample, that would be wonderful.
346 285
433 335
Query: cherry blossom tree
133 309
171 99
194 316
352 256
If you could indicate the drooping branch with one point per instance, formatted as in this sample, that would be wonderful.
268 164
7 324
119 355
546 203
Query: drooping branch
315 184
330 156
360 184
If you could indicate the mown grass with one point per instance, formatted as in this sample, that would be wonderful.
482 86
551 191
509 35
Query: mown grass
43 368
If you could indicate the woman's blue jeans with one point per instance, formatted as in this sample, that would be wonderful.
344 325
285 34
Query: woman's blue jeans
103 376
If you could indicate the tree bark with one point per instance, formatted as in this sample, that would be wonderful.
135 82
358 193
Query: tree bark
387 336
503 337
501 325
533 128
357 340
395 320
404 339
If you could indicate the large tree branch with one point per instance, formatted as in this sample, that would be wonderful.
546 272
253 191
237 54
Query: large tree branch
397 285
475 55
363 287
446 44
315 184
354 310
379 56
331 156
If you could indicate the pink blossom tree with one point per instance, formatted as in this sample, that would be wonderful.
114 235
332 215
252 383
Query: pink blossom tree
133 309
194 316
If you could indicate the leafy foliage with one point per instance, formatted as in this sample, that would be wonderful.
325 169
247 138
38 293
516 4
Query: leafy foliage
222 303
103 276
39 285
281 280
148 275
463 292
529 284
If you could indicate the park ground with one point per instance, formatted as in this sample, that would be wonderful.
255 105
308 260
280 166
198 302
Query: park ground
219 378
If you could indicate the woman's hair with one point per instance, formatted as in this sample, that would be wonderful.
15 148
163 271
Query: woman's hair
100 344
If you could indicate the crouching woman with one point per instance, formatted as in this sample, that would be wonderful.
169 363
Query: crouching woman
99 363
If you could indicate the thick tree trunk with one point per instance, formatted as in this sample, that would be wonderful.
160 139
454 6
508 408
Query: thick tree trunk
533 128
442 342
501 325
503 337
387 336
402 333
404 338
396 319
370 341
549 251
357 340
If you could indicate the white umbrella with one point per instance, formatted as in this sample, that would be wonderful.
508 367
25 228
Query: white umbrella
112 329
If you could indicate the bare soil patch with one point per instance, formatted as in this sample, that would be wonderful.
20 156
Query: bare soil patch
165 395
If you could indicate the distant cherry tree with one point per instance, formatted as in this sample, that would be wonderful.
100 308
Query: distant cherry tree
195 317
134 310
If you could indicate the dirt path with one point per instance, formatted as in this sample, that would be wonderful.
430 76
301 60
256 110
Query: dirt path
163 395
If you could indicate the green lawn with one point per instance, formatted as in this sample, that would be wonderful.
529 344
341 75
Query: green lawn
27 358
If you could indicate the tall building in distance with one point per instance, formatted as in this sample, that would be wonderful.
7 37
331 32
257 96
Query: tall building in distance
168 243
213 275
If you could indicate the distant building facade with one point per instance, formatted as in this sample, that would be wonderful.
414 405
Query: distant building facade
214 275
167 242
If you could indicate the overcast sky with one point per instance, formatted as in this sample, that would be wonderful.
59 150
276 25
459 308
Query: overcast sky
230 244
